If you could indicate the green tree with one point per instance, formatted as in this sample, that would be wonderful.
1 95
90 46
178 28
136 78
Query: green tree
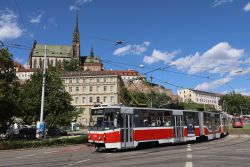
137 98
71 65
58 110
196 106
235 103
8 87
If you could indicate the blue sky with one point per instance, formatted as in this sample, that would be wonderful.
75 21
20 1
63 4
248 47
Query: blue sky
205 43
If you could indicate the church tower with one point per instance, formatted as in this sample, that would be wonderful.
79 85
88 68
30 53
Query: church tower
76 41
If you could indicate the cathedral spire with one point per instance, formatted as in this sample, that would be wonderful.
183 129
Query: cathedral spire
76 26
76 40
92 52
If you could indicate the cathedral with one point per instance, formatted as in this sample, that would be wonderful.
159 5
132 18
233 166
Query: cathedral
57 54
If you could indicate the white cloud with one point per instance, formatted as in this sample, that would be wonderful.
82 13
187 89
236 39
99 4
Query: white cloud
158 56
9 28
247 7
220 59
73 7
220 2
208 86
79 3
36 19
242 91
51 23
132 49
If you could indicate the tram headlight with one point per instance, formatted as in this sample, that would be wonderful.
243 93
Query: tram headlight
100 137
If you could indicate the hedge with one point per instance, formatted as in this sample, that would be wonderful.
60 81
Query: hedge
18 144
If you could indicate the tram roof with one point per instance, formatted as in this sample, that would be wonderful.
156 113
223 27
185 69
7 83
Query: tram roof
156 109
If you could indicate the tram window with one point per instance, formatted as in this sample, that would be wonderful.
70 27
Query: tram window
105 119
191 118
152 118
208 120
217 121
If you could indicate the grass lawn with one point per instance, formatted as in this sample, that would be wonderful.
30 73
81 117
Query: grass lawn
245 126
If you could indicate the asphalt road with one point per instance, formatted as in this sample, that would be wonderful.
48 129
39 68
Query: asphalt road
231 151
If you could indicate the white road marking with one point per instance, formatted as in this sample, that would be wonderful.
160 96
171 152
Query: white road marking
189 156
26 156
189 164
77 162
49 152
82 161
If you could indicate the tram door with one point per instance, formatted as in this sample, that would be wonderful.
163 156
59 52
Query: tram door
213 124
127 131
178 128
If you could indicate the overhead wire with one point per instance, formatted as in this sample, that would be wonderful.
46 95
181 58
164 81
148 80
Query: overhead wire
119 64
22 20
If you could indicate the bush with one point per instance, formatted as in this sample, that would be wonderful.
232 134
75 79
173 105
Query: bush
17 144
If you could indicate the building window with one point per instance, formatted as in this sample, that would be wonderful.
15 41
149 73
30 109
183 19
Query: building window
70 89
84 81
97 88
83 110
112 99
83 100
98 99
104 99
83 89
77 89
77 80
104 80
91 99
104 88
70 81
111 88
91 88
97 80
76 100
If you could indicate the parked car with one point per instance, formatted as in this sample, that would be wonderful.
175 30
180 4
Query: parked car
56 132
22 132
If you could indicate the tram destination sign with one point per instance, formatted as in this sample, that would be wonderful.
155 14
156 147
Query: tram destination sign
97 112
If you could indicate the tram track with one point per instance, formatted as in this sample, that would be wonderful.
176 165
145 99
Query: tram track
167 152
162 152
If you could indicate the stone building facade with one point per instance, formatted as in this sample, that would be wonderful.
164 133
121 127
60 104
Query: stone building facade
92 88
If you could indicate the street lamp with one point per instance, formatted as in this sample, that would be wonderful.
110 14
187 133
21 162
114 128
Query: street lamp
41 124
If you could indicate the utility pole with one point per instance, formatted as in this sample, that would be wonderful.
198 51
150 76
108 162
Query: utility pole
43 85
41 126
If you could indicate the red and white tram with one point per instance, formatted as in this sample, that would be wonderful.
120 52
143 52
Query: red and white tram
119 127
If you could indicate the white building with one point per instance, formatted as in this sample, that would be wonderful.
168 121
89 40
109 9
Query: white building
25 74
200 97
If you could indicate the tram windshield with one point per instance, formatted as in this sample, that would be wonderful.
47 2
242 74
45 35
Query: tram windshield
104 119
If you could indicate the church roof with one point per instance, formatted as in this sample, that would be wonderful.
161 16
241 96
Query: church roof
92 58
53 51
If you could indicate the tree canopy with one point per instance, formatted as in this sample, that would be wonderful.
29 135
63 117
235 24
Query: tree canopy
8 87
58 110
235 103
